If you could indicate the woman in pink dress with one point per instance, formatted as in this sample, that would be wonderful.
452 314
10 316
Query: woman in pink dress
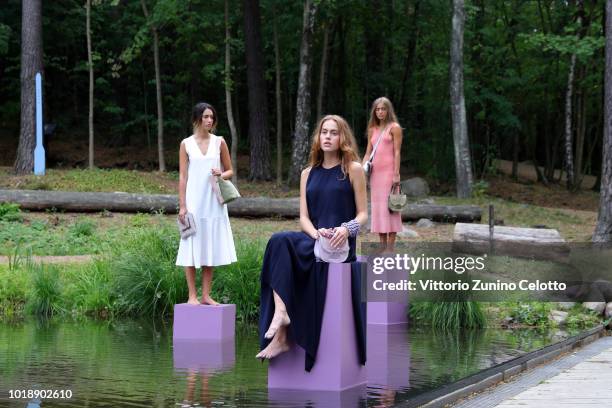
385 170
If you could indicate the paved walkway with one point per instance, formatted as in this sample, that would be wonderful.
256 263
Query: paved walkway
580 379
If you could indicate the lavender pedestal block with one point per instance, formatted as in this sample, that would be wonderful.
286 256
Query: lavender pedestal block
337 366
309 398
203 322
387 313
391 312
388 363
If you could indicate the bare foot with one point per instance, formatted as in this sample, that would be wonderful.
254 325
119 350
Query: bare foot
280 318
274 349
193 301
207 300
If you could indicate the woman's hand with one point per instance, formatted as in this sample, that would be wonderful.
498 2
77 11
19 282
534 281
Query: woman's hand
215 172
181 215
396 178
325 232
340 236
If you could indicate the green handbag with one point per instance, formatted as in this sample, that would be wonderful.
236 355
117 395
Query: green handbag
227 190
397 201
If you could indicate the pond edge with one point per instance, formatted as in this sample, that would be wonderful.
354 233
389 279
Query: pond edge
491 376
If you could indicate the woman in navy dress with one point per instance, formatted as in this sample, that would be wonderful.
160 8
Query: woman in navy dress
293 284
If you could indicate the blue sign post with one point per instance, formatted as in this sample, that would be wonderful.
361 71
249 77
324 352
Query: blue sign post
39 151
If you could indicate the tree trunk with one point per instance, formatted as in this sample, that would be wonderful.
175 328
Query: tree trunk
410 55
91 86
279 109
299 156
258 100
603 229
463 162
228 96
158 89
323 72
569 142
31 63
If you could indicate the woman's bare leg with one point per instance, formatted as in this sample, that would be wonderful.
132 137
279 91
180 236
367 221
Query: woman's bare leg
280 318
207 274
391 242
277 346
383 241
193 294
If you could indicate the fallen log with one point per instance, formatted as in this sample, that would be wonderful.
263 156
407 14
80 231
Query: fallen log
39 200
532 243
442 213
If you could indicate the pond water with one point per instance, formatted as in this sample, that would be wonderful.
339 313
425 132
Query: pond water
135 364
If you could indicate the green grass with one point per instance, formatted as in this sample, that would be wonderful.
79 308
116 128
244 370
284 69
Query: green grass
94 234
111 180
136 277
449 315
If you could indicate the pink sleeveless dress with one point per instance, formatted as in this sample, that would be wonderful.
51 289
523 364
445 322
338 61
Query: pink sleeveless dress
383 220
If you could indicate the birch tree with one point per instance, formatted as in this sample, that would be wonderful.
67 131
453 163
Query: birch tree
228 95
158 89
463 162
299 154
90 116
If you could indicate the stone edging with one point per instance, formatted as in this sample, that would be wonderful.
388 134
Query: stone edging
501 372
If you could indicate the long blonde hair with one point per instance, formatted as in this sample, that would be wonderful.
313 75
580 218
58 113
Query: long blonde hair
347 148
391 118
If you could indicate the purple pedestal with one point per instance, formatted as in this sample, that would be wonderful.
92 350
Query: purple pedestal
203 356
387 313
388 364
309 398
336 367
203 322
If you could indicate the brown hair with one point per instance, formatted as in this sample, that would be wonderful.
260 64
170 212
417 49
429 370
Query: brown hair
198 111
391 118
347 148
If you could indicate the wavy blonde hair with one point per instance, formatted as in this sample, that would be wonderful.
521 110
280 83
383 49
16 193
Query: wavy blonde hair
347 148
391 118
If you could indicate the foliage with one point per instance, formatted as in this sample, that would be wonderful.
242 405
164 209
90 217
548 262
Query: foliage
10 212
448 315
516 60
532 313
83 228
45 298
137 277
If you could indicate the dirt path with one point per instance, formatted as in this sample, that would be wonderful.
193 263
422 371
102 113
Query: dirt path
68 259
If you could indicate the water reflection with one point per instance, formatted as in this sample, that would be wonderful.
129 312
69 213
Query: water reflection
135 363
388 364
319 399
203 356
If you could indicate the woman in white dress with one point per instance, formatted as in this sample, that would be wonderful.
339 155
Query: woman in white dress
201 157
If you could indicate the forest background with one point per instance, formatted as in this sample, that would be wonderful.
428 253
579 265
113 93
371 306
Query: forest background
524 62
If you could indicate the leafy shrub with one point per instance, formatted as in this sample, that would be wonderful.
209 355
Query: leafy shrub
10 212
532 313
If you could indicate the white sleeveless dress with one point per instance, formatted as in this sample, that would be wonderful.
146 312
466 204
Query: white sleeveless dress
212 244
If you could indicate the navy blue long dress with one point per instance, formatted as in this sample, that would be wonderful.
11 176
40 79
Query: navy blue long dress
290 269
